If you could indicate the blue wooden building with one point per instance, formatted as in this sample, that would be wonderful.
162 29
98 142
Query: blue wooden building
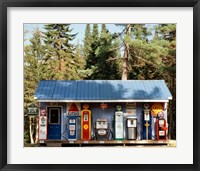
62 98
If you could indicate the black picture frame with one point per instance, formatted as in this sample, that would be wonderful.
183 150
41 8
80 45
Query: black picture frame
4 4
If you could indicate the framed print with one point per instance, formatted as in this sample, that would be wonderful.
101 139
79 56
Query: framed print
99 85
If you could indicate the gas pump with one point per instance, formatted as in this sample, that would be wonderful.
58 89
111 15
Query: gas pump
42 125
147 133
101 129
85 123
155 109
72 127
73 122
161 127
119 124
132 127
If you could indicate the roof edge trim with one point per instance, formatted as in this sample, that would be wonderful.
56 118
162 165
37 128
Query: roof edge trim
100 101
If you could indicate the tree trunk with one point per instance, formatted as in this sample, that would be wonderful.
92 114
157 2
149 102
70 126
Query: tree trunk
31 131
126 55
36 130
125 65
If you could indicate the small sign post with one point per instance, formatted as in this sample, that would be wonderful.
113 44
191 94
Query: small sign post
32 112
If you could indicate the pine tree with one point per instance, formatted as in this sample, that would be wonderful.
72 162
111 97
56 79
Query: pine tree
131 33
107 68
125 64
87 40
98 65
139 59
95 33
125 37
59 50
79 62
91 60
33 56
103 29
90 67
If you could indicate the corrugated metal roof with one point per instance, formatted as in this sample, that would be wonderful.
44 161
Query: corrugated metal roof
102 90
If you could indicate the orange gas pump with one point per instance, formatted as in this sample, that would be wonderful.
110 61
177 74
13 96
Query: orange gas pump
161 127
85 123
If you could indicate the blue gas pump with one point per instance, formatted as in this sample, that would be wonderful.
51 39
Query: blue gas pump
147 131
72 127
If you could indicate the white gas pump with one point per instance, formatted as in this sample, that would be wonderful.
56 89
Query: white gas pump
119 124
43 125
42 128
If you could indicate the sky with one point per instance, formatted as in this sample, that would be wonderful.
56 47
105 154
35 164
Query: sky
77 28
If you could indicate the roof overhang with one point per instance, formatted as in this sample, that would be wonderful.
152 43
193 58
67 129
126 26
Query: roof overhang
102 91
102 101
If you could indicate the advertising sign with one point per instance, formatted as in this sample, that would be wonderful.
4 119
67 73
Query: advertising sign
73 109
131 108
156 108
103 106
43 112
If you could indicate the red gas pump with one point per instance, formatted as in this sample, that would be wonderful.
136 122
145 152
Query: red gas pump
161 127
85 123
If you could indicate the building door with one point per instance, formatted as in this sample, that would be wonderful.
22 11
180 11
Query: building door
54 123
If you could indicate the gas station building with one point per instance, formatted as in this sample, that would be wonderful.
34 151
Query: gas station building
103 111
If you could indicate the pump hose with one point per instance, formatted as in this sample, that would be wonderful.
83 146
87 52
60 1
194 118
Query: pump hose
64 130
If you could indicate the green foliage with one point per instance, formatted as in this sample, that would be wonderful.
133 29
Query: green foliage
58 37
95 33
140 31
103 29
60 53
87 40
98 64
107 69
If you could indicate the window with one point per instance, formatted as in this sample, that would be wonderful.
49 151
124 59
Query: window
54 116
